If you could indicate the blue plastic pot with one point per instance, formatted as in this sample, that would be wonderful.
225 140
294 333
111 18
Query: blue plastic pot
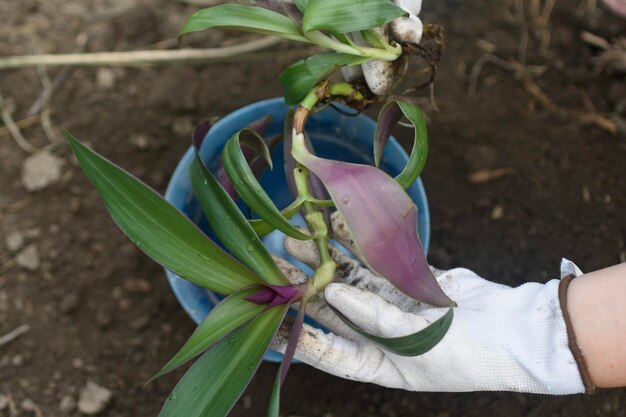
333 135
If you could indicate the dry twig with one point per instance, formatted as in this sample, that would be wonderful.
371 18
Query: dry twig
14 334
527 74
22 124
485 175
14 130
236 53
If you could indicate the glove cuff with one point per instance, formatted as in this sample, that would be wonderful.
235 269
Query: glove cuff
571 336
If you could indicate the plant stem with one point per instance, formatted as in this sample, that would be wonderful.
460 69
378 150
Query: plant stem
325 272
320 39
138 58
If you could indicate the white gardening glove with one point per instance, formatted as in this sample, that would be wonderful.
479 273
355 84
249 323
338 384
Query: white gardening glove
501 338
379 75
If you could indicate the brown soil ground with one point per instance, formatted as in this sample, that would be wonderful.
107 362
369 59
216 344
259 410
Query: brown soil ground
100 310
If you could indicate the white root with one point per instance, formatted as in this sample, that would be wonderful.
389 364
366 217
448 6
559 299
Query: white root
379 75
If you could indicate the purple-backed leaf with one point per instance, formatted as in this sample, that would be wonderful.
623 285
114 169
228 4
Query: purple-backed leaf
382 220
292 343
316 187
260 125
290 351
257 164
388 117
200 132
290 162
274 295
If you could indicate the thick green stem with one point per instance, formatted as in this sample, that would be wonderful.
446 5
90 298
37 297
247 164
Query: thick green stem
319 38
325 272
345 90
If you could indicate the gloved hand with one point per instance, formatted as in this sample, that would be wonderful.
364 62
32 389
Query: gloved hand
501 338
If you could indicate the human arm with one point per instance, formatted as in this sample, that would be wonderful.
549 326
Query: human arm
596 303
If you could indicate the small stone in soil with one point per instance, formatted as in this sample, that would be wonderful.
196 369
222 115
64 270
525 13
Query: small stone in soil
41 170
497 213
103 318
68 404
137 286
105 78
14 241
93 398
140 141
140 322
17 360
69 303
29 405
183 127
28 258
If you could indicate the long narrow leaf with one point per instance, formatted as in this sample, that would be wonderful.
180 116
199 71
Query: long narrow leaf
225 317
301 4
230 225
281 6
262 228
388 117
382 220
290 350
214 383
274 407
159 229
249 188
410 345
257 163
292 343
344 16
299 78
243 17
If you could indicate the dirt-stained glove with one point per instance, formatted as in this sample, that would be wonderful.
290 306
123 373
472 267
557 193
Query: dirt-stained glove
501 338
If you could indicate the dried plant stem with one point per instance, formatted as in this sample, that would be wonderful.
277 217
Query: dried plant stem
17 332
14 130
234 53
540 13
21 124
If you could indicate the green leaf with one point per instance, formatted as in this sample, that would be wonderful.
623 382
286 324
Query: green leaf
230 225
344 16
228 315
262 228
249 188
274 407
410 345
300 78
301 4
243 17
214 383
373 39
388 117
159 229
